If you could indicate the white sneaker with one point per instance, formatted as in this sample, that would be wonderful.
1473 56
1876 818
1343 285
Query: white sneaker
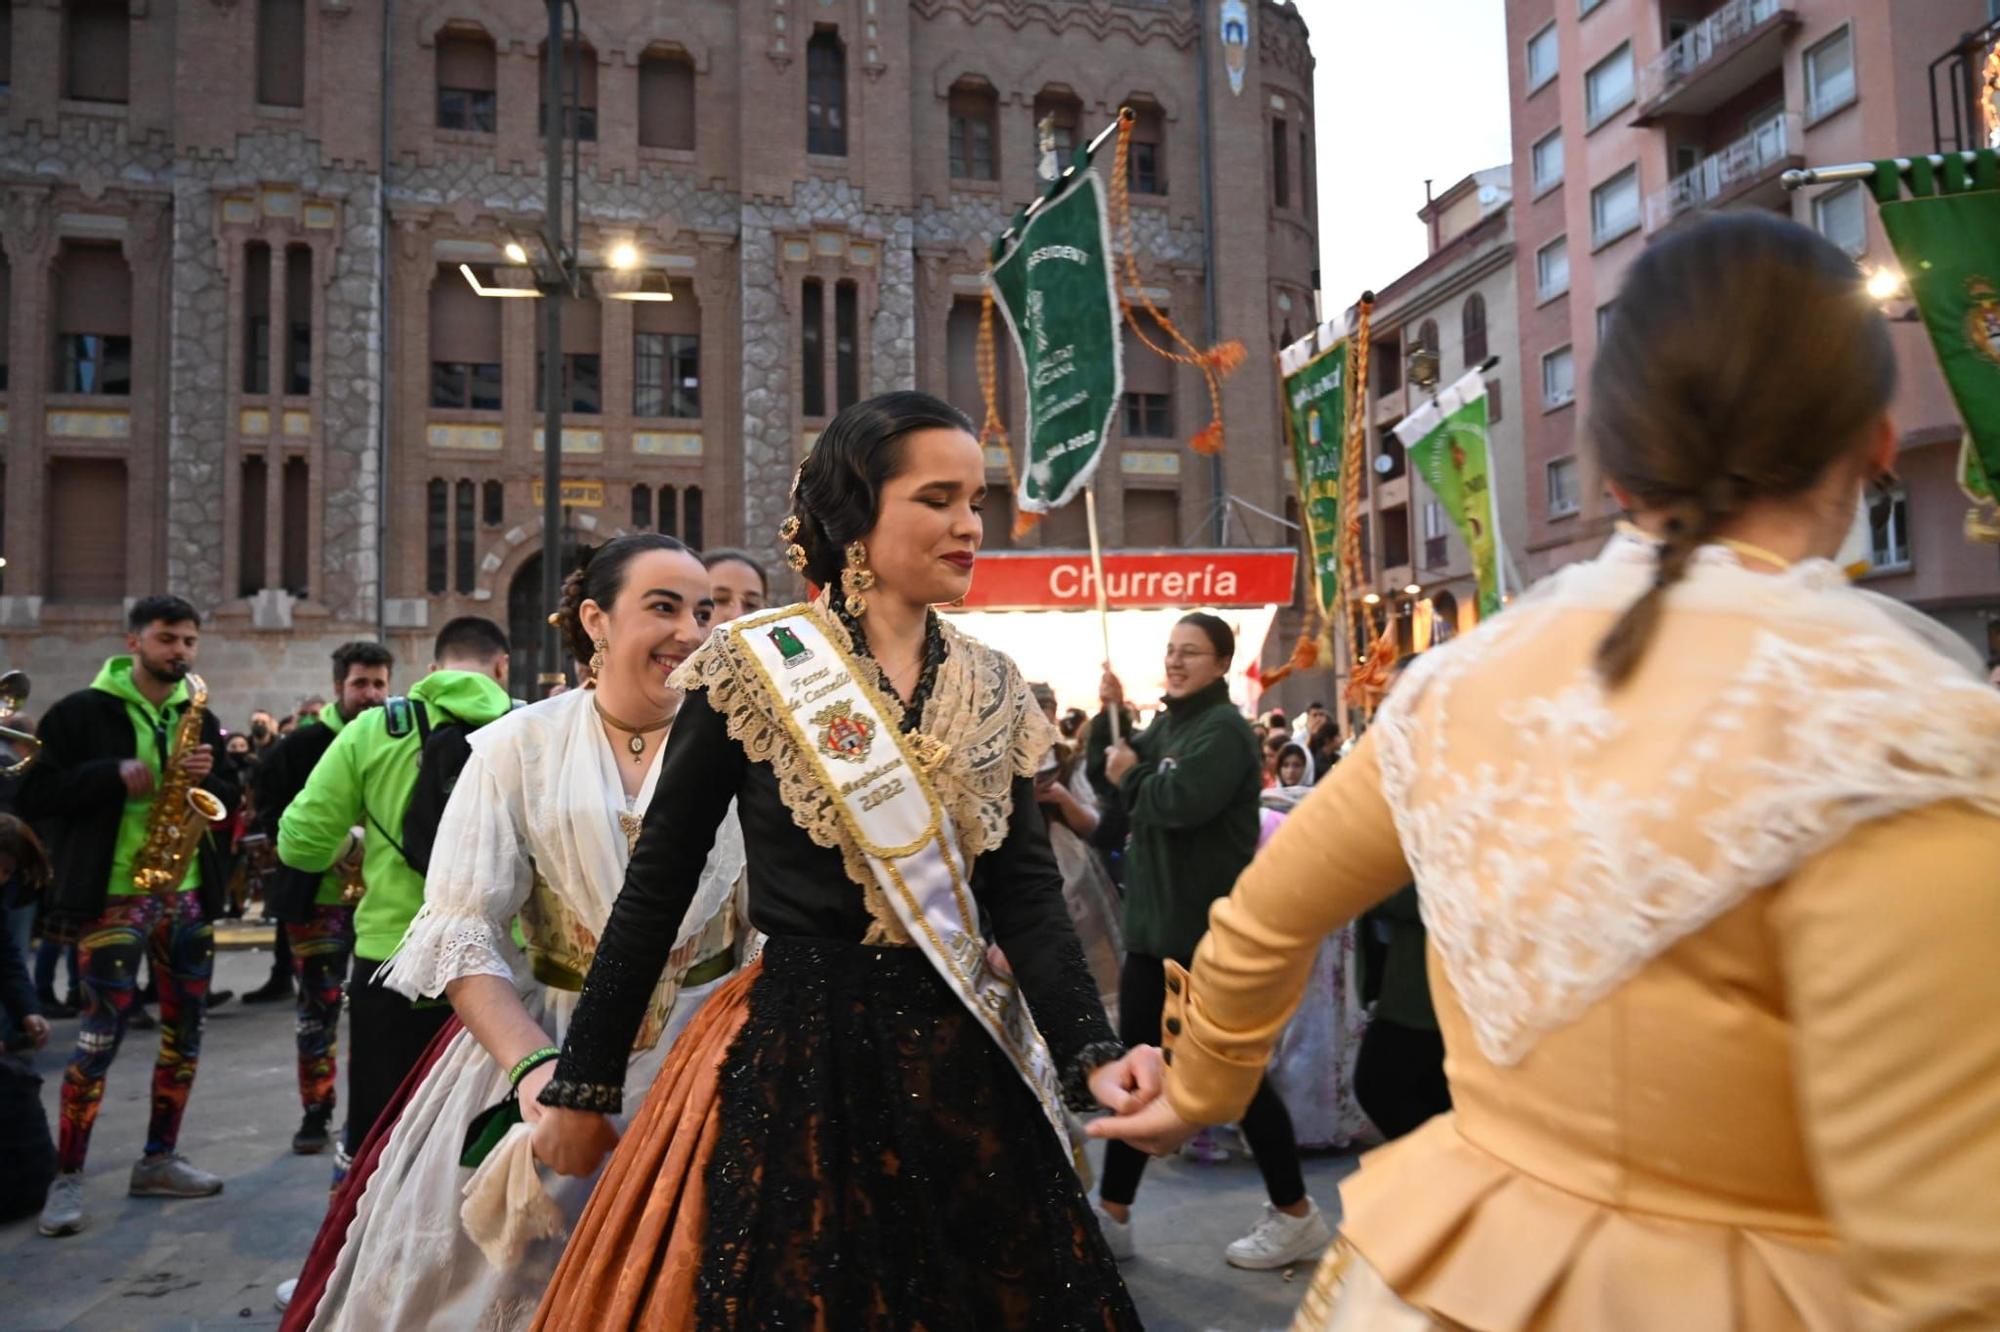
63 1213
1279 1240
285 1289
1117 1234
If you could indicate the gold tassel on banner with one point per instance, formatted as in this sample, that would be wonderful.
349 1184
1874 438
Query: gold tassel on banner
1370 675
1213 362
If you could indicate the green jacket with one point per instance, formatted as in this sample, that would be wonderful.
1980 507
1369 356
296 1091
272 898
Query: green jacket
331 889
152 727
365 778
1404 982
1192 803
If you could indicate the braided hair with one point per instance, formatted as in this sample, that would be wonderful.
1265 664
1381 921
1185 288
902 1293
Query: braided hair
599 576
1743 360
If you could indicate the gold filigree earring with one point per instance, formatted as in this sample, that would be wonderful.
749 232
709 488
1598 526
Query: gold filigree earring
795 554
856 579
598 648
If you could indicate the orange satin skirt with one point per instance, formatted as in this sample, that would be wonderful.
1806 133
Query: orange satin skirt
652 1199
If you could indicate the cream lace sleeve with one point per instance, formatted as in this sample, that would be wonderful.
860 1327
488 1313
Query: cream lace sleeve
1889 944
1335 857
479 878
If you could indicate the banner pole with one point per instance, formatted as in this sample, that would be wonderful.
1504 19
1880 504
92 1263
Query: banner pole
1103 607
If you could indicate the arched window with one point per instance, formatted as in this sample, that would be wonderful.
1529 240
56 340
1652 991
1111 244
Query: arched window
642 508
495 504
467 80
975 116
1473 322
465 547
1427 336
666 100
437 536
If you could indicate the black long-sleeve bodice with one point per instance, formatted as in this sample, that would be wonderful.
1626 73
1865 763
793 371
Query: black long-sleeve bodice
800 889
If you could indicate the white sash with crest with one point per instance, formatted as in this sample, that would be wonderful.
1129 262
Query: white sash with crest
842 727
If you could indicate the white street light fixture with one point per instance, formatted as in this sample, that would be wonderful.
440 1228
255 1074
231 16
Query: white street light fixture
1885 284
517 254
516 292
1414 590
1372 599
624 255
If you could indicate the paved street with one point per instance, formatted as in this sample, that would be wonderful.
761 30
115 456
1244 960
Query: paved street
150 1265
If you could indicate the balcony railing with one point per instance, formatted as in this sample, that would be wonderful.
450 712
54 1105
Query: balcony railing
1699 47
1721 175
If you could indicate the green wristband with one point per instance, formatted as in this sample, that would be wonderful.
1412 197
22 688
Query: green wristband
530 1062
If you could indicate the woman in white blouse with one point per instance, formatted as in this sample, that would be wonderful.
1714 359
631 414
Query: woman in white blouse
531 851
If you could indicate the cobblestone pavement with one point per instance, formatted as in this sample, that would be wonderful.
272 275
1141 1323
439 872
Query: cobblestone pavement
151 1265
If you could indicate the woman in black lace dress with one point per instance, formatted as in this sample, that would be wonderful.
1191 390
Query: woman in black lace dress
862 1131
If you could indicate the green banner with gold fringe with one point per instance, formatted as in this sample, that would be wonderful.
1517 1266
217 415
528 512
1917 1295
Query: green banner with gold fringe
1944 222
1315 385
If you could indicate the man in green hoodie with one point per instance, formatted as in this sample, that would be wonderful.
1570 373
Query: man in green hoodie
106 750
358 790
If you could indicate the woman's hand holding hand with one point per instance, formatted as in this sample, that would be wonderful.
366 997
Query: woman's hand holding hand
531 1086
1155 1128
1129 1082
570 1142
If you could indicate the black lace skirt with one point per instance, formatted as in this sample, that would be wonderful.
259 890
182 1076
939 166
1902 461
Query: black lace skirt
881 1165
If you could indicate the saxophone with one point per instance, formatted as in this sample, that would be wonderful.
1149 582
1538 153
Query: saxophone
181 811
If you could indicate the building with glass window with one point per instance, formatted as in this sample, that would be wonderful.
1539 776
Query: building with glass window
252 354
1632 115
1444 318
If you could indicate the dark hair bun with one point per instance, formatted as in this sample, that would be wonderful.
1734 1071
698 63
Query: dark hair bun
599 576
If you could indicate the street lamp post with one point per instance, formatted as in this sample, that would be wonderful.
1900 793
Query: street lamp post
555 280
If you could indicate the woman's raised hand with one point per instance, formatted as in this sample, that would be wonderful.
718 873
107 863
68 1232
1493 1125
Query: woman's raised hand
1131 1081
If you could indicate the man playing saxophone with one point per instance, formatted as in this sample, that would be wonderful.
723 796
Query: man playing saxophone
127 791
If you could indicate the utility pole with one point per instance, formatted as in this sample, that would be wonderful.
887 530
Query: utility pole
1205 109
555 283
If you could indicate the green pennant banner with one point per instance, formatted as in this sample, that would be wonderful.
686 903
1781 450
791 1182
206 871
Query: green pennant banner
1053 284
1316 422
1945 225
1448 445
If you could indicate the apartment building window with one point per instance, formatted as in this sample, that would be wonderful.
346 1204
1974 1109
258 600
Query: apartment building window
826 94
1614 207
1829 67
1427 336
812 347
1608 87
1146 164
437 535
1149 384
666 100
1547 156
86 529
93 320
1437 552
975 114
1542 57
281 52
669 511
579 89
642 508
466 80
493 504
1565 489
97 43
254 478
257 320
1889 530
1396 537
1586 6
298 318
1841 215
1281 185
1552 269
1558 378
1387 358
846 344
465 344
666 375
1472 329
465 548
1604 318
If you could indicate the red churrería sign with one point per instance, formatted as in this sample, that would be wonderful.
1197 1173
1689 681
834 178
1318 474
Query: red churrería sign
1063 579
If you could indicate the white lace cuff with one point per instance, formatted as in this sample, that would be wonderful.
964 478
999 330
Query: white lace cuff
444 946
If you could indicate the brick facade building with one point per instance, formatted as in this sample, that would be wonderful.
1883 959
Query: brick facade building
244 363
1631 115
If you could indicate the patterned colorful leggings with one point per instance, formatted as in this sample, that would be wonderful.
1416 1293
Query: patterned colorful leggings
321 947
182 946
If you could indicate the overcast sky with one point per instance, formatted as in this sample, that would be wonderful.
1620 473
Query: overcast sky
1403 89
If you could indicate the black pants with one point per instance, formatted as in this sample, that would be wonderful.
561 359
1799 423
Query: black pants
1267 1125
1399 1077
388 1034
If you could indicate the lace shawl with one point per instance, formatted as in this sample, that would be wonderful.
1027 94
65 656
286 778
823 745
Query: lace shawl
980 709
1563 835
